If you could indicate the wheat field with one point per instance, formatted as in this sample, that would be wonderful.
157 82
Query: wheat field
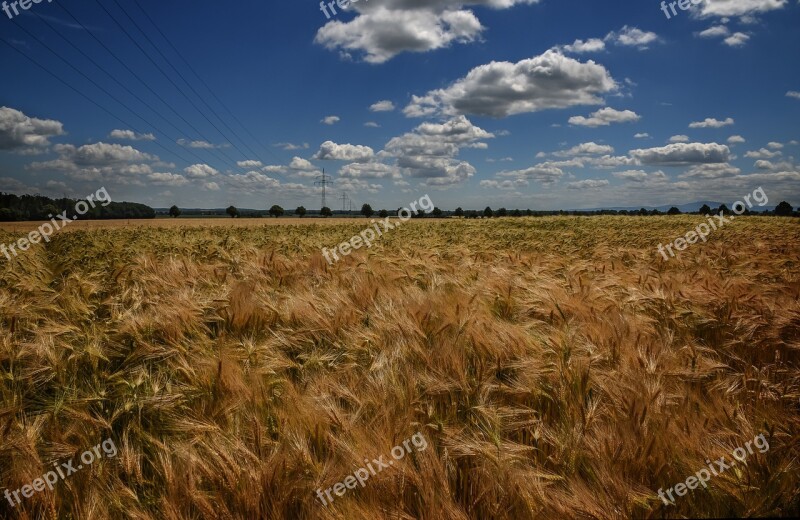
558 368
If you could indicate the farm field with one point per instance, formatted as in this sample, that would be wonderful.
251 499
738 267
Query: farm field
555 367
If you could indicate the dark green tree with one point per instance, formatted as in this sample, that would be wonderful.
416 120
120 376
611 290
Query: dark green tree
276 211
383 213
367 210
232 211
458 212
326 212
488 213
784 209
673 211
174 212
300 211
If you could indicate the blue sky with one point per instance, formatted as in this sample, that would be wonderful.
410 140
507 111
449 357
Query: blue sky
539 104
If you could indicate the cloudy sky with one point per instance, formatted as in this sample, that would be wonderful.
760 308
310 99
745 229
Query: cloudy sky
541 104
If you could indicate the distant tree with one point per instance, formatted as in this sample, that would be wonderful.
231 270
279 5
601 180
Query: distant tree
437 213
502 212
784 209
488 213
300 211
643 212
655 212
419 214
458 212
276 211
232 211
174 212
6 215
528 213
673 211
623 212
326 212
383 213
705 210
723 209
50 209
367 211
516 213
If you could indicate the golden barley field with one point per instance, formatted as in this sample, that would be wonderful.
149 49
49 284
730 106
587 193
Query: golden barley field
557 367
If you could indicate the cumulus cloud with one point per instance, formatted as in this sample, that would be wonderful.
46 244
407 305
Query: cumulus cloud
736 139
762 154
130 135
249 164
711 123
382 106
501 89
430 150
631 175
737 39
642 135
605 117
679 139
587 184
678 154
590 148
200 144
632 37
200 171
711 171
383 30
793 94
715 31
291 146
19 132
330 120
330 151
541 173
726 8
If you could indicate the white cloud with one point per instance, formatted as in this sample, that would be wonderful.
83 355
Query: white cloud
130 135
372 124
249 164
721 8
605 117
587 184
643 135
715 31
330 120
581 46
203 145
590 148
793 94
200 171
382 106
632 37
736 139
631 175
382 30
330 151
501 89
291 146
19 132
679 139
762 154
737 39
683 154
774 146
711 123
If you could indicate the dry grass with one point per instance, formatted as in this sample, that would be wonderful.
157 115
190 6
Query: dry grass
558 367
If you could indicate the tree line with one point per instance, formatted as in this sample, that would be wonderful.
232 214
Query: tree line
15 208
784 209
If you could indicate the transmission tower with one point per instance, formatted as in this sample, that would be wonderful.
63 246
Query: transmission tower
323 181
344 201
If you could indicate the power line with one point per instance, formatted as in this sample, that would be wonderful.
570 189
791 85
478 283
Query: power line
191 87
192 69
148 87
121 84
79 92
171 81
323 181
